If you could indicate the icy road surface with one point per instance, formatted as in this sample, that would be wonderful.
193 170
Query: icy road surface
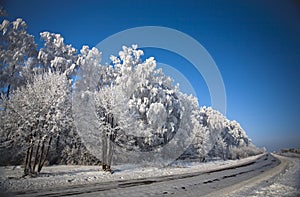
217 181
287 183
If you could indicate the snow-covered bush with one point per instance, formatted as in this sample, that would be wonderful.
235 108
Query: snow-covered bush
240 152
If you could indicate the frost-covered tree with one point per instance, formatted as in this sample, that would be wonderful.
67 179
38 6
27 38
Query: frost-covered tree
150 93
216 124
16 48
112 116
221 148
92 75
225 137
19 65
132 93
239 144
236 134
187 128
201 143
151 104
37 113
56 55
94 85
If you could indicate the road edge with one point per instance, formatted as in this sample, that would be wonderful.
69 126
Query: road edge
252 182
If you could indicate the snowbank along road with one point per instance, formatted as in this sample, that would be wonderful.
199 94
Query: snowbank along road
189 184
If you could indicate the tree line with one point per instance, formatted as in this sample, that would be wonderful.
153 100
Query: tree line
134 105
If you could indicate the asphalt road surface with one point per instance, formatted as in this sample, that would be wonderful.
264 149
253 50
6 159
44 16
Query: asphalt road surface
191 184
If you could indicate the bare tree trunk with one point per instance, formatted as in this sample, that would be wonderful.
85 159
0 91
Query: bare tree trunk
36 156
107 143
9 85
109 120
104 149
110 150
30 157
111 141
46 155
108 153
34 162
41 155
27 161
165 138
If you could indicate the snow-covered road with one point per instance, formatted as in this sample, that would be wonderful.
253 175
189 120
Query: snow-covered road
188 181
286 183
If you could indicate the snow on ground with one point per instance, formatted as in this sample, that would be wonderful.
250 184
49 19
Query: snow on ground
276 189
286 183
57 176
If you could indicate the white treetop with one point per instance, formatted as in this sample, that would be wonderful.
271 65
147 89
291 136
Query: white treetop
56 55
16 47
41 107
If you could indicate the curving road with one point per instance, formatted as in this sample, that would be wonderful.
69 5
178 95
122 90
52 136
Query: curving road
192 184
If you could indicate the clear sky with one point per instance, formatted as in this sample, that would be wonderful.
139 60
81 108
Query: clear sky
255 44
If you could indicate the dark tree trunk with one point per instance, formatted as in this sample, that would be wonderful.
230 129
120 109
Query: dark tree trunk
104 150
41 155
27 160
9 85
107 143
30 157
36 155
46 155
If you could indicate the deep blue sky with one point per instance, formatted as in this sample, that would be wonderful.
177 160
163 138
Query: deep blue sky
255 44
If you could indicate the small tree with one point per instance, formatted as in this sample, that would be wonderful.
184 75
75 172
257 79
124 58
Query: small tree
112 117
201 141
221 148
36 113
96 82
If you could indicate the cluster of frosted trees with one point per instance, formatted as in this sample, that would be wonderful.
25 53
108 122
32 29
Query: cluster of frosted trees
136 106
35 91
